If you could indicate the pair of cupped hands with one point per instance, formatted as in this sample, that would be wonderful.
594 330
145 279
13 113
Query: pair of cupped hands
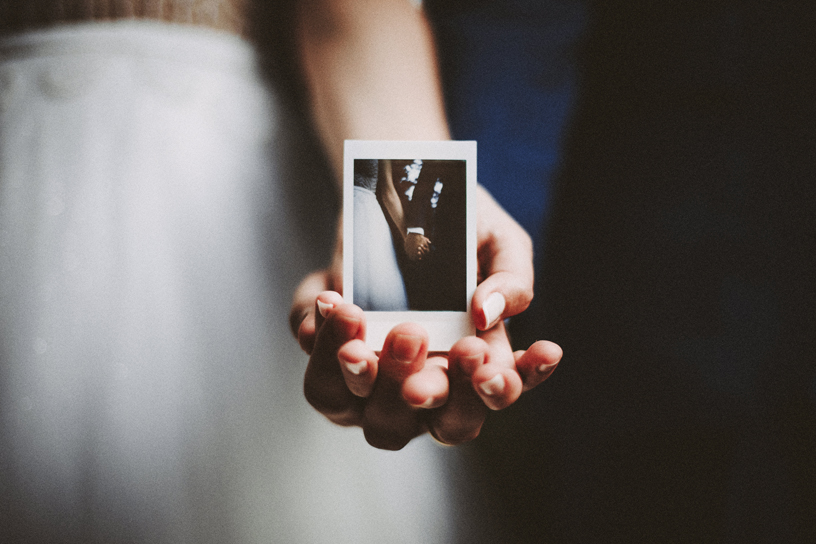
404 391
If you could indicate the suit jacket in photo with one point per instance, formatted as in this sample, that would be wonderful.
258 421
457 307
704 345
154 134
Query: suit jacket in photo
433 197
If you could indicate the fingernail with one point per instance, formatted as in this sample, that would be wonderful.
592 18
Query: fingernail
493 386
427 404
546 368
356 368
324 307
405 348
493 308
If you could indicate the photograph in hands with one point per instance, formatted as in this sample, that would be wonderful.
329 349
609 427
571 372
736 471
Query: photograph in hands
409 231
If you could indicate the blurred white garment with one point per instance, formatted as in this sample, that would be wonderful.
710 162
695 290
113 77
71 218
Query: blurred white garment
149 388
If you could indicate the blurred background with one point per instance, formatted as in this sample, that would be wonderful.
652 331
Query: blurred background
662 157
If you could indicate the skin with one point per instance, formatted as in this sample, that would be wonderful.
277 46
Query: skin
371 73
415 245
404 391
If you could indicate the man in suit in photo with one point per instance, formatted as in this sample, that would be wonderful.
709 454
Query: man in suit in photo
433 261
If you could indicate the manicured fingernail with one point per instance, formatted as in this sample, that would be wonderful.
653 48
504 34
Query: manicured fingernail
493 308
427 404
493 386
546 368
405 348
356 368
324 307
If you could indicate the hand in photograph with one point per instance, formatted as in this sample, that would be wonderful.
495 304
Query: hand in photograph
416 246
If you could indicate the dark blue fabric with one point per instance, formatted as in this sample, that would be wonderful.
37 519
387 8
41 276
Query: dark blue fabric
509 76
677 269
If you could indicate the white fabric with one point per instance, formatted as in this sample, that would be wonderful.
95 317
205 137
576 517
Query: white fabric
378 283
149 388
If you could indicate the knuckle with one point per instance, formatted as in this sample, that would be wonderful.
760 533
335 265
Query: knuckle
297 316
385 440
467 347
316 398
305 338
456 436
526 295
338 404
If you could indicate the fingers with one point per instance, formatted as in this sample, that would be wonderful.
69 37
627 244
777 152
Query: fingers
304 316
359 366
505 253
389 422
424 245
482 373
302 320
350 385
324 384
501 295
461 418
304 298
537 363
314 319
497 381
416 246
324 303
427 388
423 250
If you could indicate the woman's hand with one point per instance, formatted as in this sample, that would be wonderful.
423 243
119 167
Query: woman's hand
404 392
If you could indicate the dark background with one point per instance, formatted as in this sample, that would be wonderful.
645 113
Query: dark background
439 281
675 262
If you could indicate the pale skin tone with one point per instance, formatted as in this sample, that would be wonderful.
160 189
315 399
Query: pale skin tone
371 72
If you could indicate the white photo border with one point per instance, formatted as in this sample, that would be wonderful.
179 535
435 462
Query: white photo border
444 327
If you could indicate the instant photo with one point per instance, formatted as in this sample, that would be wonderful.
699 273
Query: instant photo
409 249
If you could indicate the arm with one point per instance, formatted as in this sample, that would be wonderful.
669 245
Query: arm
390 198
371 72
416 246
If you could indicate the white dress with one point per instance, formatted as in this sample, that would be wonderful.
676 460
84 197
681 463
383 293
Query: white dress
149 388
378 282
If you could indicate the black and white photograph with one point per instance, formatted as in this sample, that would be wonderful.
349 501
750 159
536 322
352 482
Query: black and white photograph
407 237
